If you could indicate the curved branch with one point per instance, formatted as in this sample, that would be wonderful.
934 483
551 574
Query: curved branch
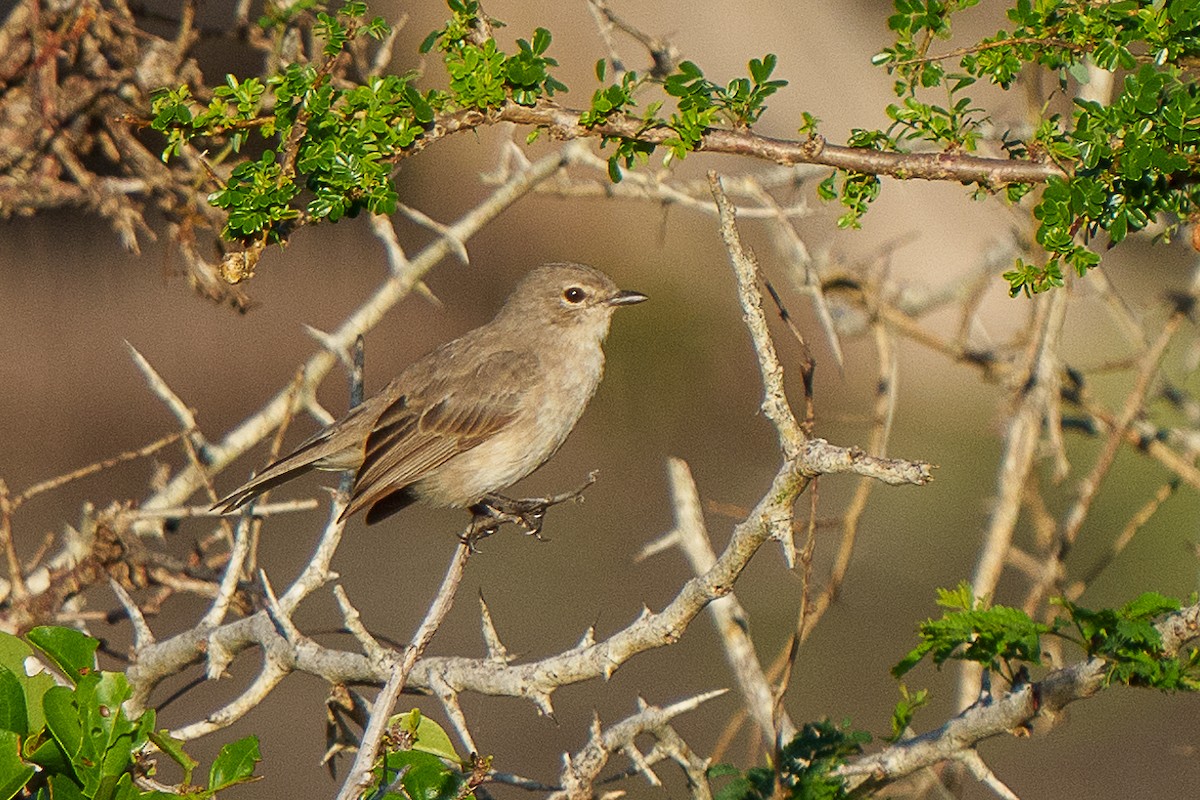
1012 712
563 123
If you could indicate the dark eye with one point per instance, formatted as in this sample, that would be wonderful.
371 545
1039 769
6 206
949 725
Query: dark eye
574 295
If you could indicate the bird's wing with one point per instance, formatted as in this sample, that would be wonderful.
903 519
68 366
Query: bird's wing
421 430
327 442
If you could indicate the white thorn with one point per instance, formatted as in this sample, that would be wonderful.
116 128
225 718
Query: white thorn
544 706
588 639
496 651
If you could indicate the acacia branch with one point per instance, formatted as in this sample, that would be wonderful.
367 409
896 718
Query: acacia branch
563 123
1012 712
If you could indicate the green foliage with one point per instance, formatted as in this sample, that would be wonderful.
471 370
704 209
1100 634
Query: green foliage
336 143
616 98
906 708
483 77
701 104
1128 163
997 637
1127 639
805 769
1033 278
1000 637
420 762
75 740
330 148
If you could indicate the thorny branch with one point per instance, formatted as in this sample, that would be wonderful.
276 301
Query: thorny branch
1014 711
1041 386
286 649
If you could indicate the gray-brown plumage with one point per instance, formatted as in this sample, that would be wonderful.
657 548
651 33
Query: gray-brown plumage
476 414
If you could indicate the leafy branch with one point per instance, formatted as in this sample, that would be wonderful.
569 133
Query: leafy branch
344 141
1006 640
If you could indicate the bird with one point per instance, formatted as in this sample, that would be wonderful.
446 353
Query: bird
474 415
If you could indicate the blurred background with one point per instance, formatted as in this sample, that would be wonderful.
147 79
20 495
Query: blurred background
681 381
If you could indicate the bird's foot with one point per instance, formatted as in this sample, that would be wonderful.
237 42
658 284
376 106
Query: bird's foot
483 524
527 512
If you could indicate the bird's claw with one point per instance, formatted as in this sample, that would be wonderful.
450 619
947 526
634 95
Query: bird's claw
529 513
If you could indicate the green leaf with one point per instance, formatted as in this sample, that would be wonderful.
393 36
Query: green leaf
74 652
14 772
50 757
428 736
740 788
423 776
722 770
1149 605
63 720
614 170
972 631
13 653
62 787
173 748
234 764
907 706
14 716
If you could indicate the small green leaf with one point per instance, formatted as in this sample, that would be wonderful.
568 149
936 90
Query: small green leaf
14 772
906 707
13 653
62 787
14 716
50 757
424 776
428 736
74 652
614 170
173 748
63 720
234 764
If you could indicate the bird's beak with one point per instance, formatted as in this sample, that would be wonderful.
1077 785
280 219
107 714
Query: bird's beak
626 298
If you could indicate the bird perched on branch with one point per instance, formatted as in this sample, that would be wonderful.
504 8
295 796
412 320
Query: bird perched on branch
475 415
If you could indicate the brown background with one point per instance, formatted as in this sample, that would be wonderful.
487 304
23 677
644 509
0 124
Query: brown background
681 381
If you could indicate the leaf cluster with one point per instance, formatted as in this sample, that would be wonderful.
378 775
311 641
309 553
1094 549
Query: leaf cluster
481 75
998 637
73 740
1003 639
805 768
1128 163
420 762
332 141
1127 639
701 104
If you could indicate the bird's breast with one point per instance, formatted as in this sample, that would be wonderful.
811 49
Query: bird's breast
557 398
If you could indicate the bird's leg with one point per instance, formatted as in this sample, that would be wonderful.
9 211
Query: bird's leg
484 522
529 512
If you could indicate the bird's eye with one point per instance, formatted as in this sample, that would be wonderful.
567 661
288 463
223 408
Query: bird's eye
574 295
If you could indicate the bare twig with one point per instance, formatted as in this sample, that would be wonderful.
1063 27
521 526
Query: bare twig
91 469
16 576
775 403
729 617
385 701
564 123
581 769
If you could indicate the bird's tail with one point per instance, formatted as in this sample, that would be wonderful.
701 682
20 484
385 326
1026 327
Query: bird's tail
320 452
